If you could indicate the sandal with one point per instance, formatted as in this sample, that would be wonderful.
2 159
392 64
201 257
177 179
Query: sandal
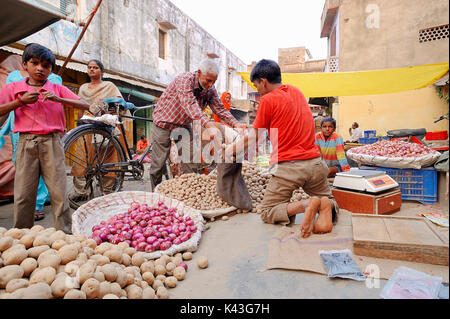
38 215
78 198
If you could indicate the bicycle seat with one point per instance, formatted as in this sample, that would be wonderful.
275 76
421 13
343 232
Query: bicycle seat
112 101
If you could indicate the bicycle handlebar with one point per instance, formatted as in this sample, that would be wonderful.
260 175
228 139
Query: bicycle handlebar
441 118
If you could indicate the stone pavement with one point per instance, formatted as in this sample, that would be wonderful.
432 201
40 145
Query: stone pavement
237 252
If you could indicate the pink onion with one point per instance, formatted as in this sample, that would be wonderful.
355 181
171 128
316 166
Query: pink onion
148 232
184 265
97 239
155 246
165 245
141 246
193 229
137 235
149 249
189 223
172 236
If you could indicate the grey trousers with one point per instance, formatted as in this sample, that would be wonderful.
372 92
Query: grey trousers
40 155
161 143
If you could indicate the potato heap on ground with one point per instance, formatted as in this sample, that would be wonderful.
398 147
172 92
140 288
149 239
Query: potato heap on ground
42 263
256 180
194 190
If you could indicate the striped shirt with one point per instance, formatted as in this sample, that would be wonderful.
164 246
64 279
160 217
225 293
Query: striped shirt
184 101
332 150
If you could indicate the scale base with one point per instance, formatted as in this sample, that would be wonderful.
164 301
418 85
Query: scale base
384 203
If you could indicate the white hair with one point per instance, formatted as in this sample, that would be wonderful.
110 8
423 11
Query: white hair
209 66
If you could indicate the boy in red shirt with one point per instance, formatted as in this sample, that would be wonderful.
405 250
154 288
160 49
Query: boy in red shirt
295 160
39 119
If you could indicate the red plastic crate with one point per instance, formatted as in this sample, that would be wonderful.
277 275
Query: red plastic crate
437 135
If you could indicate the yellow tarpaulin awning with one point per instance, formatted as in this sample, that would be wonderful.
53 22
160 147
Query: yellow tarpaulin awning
362 82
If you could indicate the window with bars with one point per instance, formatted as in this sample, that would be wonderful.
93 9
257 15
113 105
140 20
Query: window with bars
434 33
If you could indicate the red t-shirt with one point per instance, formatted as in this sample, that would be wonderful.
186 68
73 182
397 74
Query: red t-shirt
286 114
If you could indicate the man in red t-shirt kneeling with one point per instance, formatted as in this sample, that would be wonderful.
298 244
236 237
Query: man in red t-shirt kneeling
295 160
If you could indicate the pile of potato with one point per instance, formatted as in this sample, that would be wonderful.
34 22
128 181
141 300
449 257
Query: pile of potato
256 180
298 195
42 263
199 191
194 190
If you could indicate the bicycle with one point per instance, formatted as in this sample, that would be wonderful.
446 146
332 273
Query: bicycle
97 159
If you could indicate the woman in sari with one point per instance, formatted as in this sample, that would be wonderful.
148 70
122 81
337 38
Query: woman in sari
226 100
94 92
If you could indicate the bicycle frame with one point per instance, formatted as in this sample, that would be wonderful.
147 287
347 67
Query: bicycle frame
122 129
128 154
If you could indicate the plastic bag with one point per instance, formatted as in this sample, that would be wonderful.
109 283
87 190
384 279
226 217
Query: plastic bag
407 283
173 155
175 163
442 163
339 263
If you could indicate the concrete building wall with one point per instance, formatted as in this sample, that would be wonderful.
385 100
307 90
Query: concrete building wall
384 34
297 60
124 36
383 112
395 41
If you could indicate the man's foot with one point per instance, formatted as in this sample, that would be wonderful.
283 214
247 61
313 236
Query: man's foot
310 214
324 222
38 215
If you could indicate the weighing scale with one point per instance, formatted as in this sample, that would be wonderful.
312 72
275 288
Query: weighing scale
369 181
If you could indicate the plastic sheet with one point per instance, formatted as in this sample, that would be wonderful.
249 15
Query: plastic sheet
339 263
362 82
408 283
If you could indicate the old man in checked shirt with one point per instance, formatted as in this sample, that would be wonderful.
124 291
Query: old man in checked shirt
182 103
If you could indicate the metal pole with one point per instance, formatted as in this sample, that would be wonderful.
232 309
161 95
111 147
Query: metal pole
80 37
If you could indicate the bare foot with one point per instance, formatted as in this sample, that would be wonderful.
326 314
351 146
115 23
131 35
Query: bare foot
310 214
324 222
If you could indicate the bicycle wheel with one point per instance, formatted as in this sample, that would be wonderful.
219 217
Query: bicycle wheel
90 155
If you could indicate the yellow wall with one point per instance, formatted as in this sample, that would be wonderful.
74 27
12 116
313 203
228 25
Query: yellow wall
406 110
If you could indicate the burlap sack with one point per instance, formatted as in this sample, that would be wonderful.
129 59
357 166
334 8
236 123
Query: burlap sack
231 186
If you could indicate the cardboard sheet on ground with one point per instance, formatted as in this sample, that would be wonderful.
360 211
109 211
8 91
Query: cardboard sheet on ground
287 250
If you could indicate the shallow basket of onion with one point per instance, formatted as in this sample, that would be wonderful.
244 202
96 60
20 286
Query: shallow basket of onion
111 209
